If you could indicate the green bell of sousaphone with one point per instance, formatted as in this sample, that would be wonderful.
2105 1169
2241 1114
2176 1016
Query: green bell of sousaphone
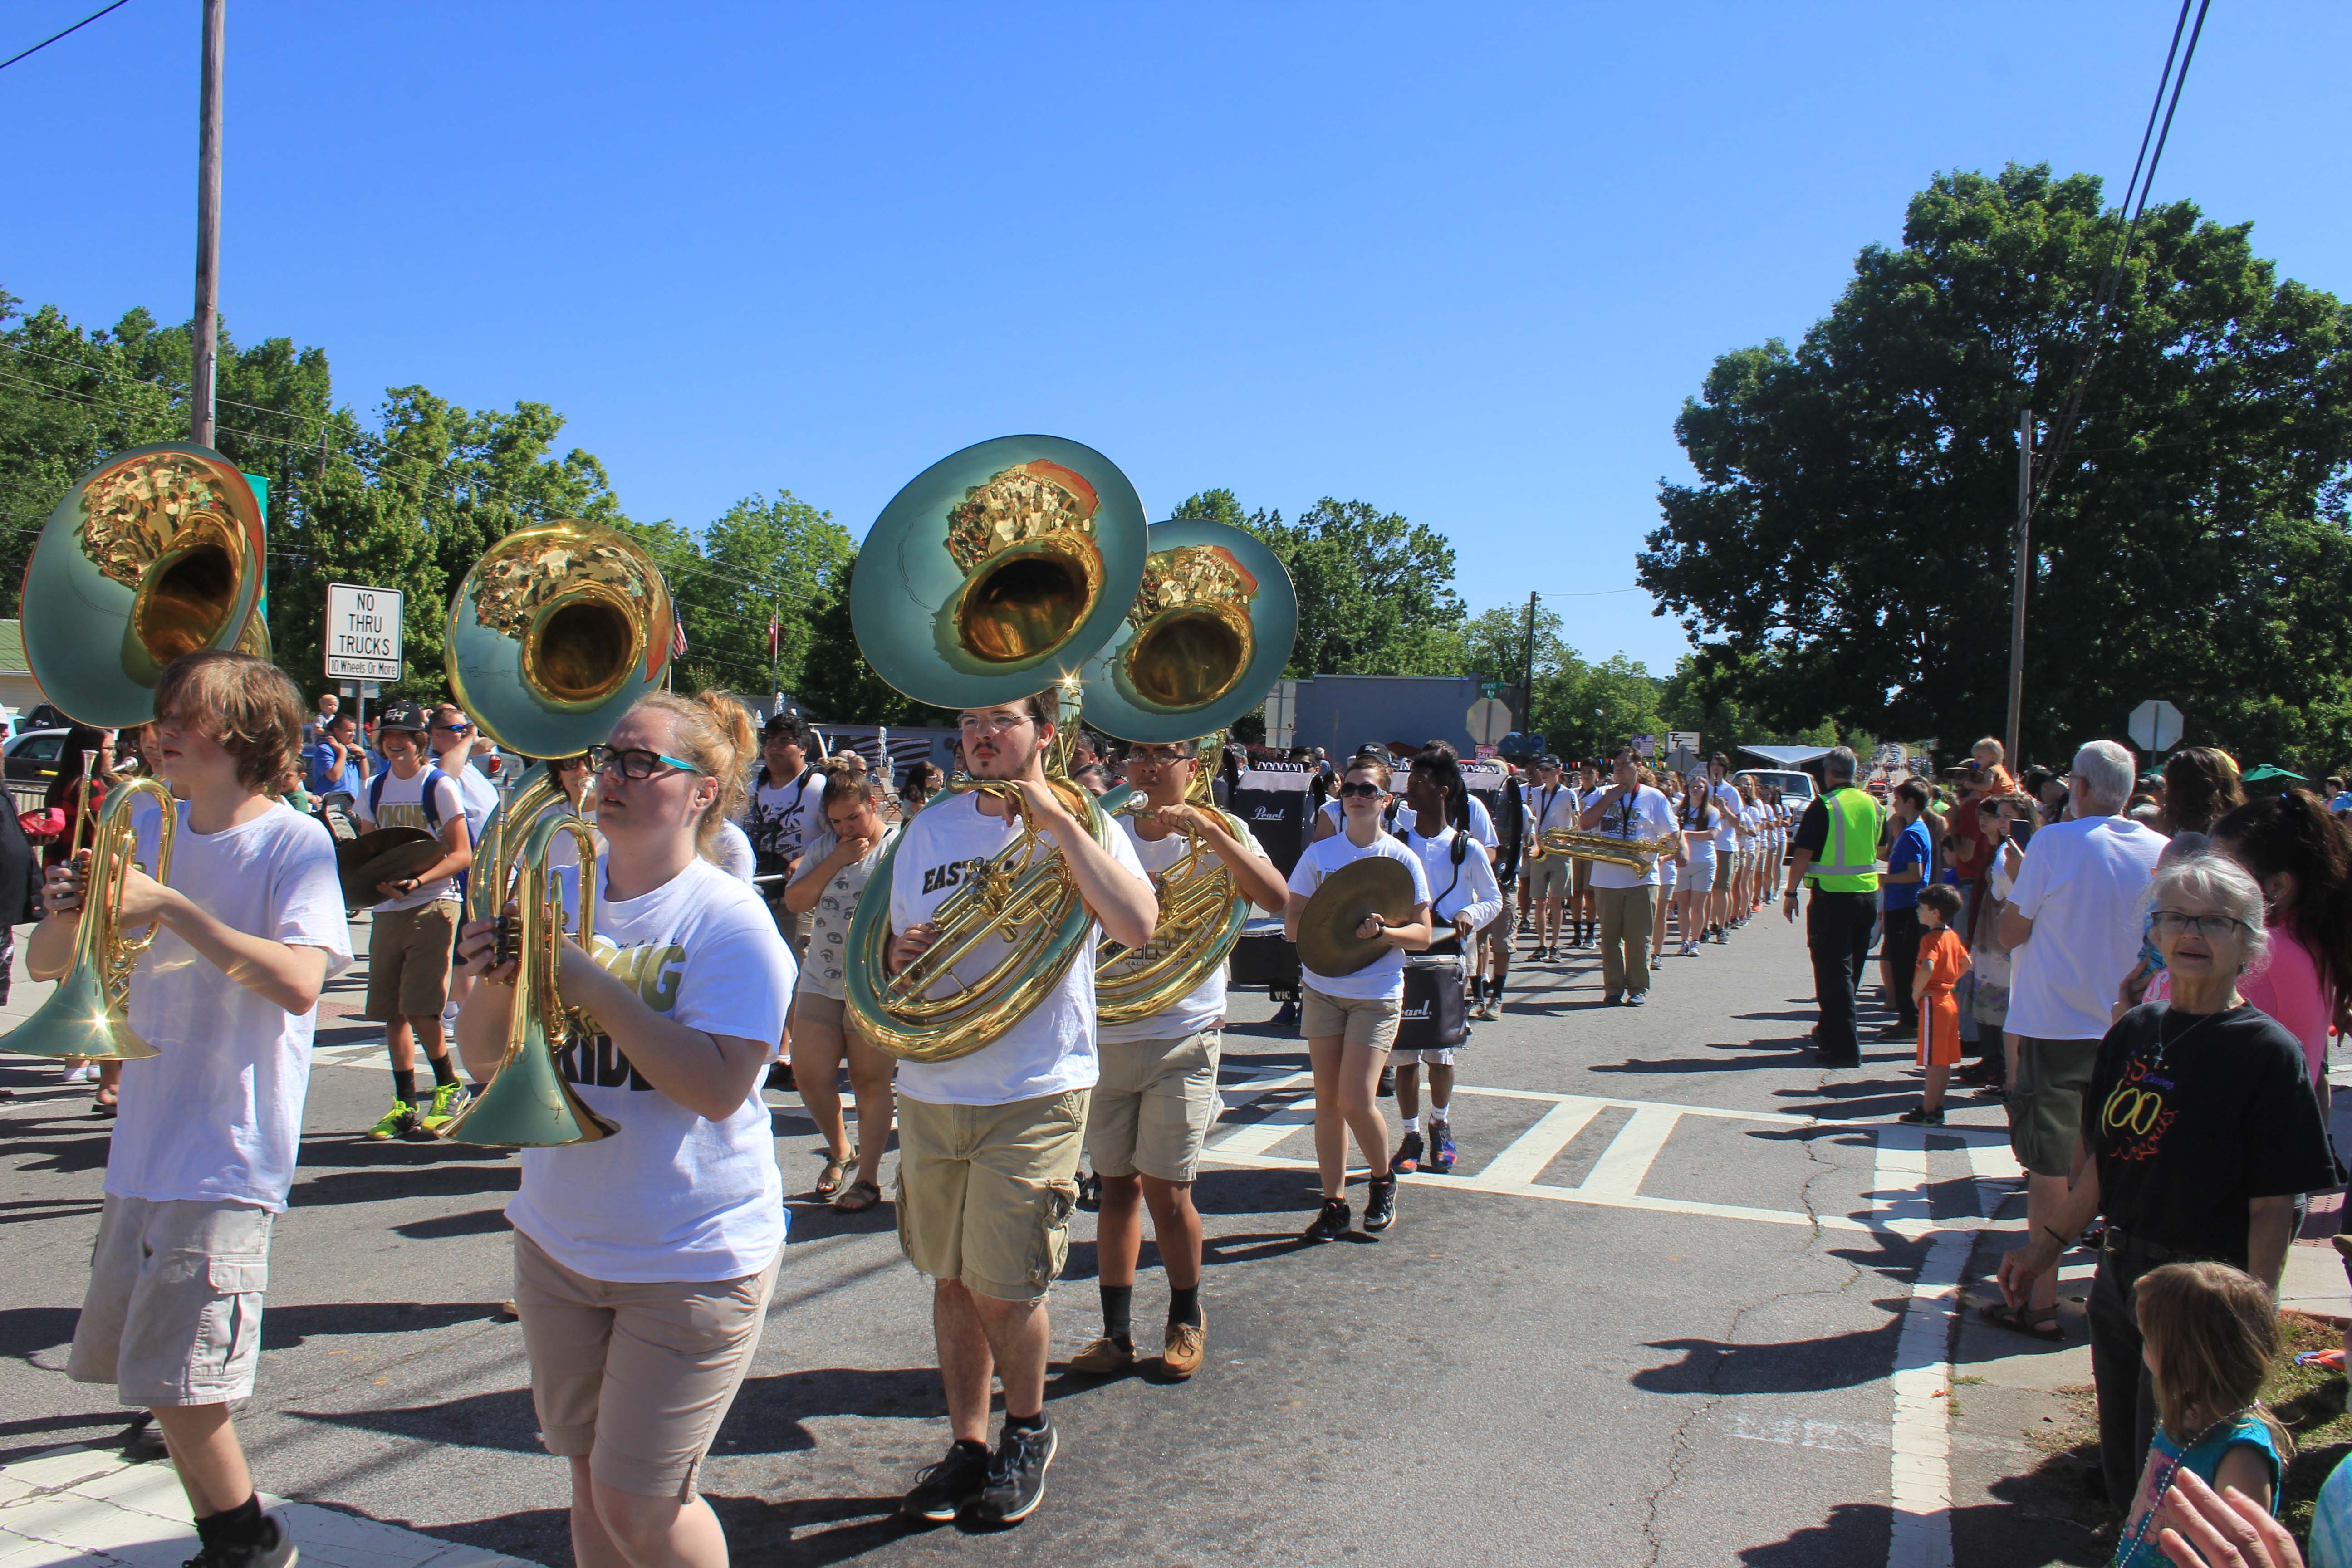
154 553
1202 643
556 632
995 573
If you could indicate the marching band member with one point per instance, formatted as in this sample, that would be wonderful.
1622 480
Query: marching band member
1351 1020
643 1261
1152 1112
988 1142
1555 805
1629 810
204 1153
1463 898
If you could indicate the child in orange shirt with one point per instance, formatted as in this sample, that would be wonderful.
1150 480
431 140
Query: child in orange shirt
1942 960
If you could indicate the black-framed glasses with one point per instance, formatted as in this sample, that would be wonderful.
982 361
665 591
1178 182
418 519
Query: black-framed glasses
1362 791
635 762
1159 756
2172 922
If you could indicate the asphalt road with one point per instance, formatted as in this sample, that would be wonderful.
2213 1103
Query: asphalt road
1617 1335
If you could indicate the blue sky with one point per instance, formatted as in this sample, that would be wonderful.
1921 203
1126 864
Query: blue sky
1464 262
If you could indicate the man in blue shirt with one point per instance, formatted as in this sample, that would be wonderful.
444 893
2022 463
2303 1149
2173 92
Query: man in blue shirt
337 762
1910 861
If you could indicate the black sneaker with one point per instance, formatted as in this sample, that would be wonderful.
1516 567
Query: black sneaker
1379 1202
1408 1155
274 1549
943 1489
1388 1083
1897 1030
1920 1116
1016 1477
1330 1224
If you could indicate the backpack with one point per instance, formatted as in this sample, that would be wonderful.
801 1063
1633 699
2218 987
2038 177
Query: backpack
432 778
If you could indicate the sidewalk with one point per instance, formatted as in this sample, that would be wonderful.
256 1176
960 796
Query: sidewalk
86 1508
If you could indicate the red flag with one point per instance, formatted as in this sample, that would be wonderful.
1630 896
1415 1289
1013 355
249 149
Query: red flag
775 631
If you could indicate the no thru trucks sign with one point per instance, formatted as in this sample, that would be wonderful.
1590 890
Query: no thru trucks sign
363 637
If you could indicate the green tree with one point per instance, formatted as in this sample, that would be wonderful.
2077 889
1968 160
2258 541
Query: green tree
761 558
1375 591
1850 528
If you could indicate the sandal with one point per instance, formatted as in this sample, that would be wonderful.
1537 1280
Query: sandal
835 1167
2041 1325
857 1197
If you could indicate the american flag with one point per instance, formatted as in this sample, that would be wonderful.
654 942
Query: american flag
775 631
677 636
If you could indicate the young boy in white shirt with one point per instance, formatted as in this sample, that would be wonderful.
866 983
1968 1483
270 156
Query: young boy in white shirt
204 1149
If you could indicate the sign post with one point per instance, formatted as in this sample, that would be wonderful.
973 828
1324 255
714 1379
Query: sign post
361 640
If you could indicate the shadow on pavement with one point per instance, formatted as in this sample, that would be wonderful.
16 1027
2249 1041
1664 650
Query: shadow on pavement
1854 1533
283 1328
1791 1366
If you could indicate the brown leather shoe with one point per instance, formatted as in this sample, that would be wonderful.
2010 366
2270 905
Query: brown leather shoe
1186 1347
1104 1358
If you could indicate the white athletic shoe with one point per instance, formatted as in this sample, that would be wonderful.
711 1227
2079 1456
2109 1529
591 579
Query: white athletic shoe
80 1072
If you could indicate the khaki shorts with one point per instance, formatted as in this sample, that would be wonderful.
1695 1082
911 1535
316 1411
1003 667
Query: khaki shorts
173 1311
985 1191
1506 921
793 927
815 1007
1356 1022
2045 1103
1548 877
635 1377
1152 1109
408 960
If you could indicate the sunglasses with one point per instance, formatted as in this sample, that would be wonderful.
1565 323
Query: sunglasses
635 762
1361 790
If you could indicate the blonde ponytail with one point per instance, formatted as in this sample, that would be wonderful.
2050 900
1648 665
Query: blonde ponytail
713 732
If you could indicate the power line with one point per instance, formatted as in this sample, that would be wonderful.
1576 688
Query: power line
53 38
2087 356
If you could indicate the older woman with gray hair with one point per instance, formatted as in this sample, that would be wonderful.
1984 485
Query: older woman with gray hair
2197 1130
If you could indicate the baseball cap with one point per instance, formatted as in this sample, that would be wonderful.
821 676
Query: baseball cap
403 715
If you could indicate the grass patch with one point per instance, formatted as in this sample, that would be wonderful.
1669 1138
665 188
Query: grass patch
2309 1401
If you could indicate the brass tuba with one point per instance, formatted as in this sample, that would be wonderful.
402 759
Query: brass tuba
1633 853
154 553
84 1018
993 574
556 631
1204 640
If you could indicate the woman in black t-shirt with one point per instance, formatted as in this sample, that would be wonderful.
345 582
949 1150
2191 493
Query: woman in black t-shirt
2199 1128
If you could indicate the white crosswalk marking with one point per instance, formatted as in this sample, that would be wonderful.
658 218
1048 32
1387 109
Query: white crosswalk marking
1524 1157
1626 1162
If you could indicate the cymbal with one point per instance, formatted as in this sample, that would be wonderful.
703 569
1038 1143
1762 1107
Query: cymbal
383 854
1328 942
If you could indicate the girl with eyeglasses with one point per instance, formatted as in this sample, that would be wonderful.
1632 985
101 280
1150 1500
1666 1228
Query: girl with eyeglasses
643 1261
1351 1020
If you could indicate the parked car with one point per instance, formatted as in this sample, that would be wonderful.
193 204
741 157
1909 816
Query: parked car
1796 787
35 757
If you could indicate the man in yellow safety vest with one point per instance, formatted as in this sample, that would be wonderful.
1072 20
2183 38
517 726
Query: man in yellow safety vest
1836 849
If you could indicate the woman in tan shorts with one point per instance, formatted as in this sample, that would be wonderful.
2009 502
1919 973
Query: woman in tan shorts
643 1261
834 870
1351 1020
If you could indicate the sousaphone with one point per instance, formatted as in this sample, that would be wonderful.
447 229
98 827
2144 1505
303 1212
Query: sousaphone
553 634
154 553
1202 643
995 573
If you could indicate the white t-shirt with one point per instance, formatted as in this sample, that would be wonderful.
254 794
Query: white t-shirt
1482 821
1553 805
2081 885
481 796
217 1116
732 850
1050 1051
1727 806
1645 816
1385 976
673 1195
778 818
1469 889
828 944
402 805
1202 1008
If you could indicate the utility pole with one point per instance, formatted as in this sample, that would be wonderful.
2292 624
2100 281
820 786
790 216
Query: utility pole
206 329
2025 576
1527 680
